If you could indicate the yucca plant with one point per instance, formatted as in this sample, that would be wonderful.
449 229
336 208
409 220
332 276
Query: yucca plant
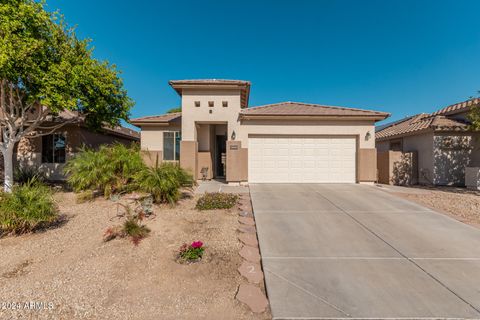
109 169
164 182
27 207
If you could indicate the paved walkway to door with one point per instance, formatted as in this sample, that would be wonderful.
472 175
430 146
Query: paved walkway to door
352 251
219 186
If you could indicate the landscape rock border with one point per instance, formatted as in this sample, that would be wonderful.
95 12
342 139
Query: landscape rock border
251 293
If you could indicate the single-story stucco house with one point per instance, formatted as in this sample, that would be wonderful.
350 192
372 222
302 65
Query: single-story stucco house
442 142
218 135
49 153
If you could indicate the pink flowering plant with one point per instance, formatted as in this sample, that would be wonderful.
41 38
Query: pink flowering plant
192 252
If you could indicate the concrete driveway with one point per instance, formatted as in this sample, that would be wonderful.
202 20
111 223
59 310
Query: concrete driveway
354 251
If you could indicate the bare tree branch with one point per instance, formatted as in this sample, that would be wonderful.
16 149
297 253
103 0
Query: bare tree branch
51 129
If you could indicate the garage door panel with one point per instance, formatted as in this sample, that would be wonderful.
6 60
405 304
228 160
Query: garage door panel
309 164
302 160
282 164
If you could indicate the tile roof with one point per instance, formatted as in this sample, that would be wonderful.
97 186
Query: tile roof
124 132
444 123
244 86
458 107
418 123
209 81
68 115
163 118
437 120
391 123
306 109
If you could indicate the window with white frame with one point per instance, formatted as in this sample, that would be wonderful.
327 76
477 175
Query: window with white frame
171 145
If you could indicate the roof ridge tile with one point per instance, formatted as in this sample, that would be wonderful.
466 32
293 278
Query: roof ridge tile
279 104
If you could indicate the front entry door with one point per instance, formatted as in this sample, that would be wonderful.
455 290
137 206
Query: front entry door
220 156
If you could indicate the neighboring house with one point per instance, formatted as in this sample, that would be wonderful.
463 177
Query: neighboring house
442 142
50 152
217 135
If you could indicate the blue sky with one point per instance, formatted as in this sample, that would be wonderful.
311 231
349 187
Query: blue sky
403 57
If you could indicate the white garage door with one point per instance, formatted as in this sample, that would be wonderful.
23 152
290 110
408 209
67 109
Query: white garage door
290 159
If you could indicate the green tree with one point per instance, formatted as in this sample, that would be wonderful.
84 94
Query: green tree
474 115
174 110
44 70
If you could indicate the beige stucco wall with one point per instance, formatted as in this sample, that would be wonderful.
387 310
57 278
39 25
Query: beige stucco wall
366 162
152 136
195 128
197 121
152 158
204 160
384 165
423 144
188 156
397 167
431 168
292 127
220 114
382 146
204 137
452 152
237 158
475 160
367 165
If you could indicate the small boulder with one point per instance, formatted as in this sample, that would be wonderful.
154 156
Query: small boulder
250 254
253 297
246 220
247 229
251 271
250 239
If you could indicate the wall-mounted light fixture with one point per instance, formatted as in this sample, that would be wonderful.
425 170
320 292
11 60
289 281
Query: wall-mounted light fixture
368 136
233 135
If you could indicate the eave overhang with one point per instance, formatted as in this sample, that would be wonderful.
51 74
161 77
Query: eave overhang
243 86
312 117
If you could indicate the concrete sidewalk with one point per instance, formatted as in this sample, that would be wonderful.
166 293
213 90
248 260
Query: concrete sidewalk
353 251
219 186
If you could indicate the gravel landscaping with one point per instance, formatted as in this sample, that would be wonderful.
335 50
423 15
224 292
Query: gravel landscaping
78 276
460 203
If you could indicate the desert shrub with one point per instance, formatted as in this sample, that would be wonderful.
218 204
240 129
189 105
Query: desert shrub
110 169
131 228
175 110
164 182
135 230
24 174
216 200
192 252
84 196
28 207
112 233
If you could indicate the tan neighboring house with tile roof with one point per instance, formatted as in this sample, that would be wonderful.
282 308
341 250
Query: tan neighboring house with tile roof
219 136
442 142
49 153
